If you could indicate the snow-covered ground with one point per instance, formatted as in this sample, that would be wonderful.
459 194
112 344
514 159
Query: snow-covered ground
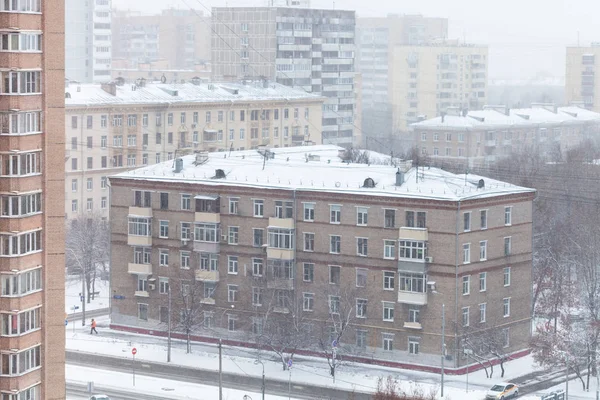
73 289
307 370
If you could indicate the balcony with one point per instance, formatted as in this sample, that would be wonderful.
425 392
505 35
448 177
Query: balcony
142 293
208 300
285 223
207 247
414 298
139 269
207 217
280 283
490 143
418 234
412 325
281 254
140 211
134 240
207 276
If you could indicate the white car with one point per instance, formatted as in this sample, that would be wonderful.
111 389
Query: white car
502 391
100 397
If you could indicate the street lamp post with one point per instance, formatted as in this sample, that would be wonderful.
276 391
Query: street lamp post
263 377
443 344
169 330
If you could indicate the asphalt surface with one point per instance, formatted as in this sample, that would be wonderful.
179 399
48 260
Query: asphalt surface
209 377
88 314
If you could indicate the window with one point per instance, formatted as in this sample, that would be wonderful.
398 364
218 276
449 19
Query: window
389 278
103 182
209 262
414 344
231 323
507 246
257 237
232 265
483 250
506 337
309 212
256 296
19 363
24 164
143 311
280 238
483 216
103 121
234 234
259 208
163 285
284 209
22 283
309 241
19 324
482 312
103 203
186 202
23 123
232 293
467 221
184 259
142 198
27 204
362 246
308 301
163 257
164 201
334 304
89 204
414 315
335 244
507 215
465 316
335 214
388 311
412 250
482 281
420 222
412 282
242 133
206 232
506 307
257 267
334 274
142 283
466 253
389 249
507 276
361 216
90 162
234 205
141 255
361 277
21 82
308 272
140 226
389 218
361 308
74 205
163 231
466 284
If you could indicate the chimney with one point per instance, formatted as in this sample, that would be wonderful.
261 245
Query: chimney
399 178
110 88
178 165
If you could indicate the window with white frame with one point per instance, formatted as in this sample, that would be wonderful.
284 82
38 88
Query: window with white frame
411 250
143 311
257 296
234 203
362 216
232 265
209 262
506 307
163 285
414 315
361 339
281 238
505 337
483 219
21 123
204 232
21 82
257 267
20 323
208 319
309 212
186 231
466 285
140 226
414 345
163 231
308 272
334 304
506 274
141 255
184 259
389 249
388 311
259 208
308 301
465 316
508 215
361 308
234 235
163 257
20 244
334 274
387 340
309 241
24 164
467 221
389 278
482 281
361 277
231 322
18 206
21 283
482 312
507 246
31 393
15 364
284 209
466 253
389 220
335 214
335 244
186 202
483 250
362 246
232 293
412 282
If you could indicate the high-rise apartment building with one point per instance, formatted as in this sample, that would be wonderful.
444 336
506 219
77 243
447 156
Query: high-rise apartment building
299 243
88 40
111 128
31 200
376 39
306 48
581 86
181 37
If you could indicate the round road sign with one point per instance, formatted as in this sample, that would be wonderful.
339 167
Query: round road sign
289 363
134 351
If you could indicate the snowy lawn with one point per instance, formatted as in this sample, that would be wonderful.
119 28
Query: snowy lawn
307 370
73 288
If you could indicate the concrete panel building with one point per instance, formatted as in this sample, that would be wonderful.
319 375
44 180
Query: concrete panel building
581 85
301 233
305 48
88 40
111 128
31 200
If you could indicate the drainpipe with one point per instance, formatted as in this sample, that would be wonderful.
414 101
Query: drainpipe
456 261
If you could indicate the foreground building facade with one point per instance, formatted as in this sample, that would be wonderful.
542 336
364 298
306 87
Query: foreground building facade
111 128
32 218
364 255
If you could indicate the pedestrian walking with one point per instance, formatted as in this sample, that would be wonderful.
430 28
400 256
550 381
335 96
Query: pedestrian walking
93 327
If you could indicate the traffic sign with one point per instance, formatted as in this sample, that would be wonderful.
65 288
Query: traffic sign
289 363
134 351
334 344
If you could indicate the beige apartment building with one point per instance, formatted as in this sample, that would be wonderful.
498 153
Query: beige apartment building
32 221
481 137
112 128
297 235
581 85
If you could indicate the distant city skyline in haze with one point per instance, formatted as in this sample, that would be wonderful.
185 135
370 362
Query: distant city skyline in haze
525 38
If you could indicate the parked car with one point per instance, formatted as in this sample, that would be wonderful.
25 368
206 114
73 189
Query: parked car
100 397
502 391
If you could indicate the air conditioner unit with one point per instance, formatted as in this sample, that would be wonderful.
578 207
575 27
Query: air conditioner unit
151 286
428 259
184 242
224 238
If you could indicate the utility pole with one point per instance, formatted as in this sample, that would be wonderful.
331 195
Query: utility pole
443 343
220 372
169 333
82 296
567 378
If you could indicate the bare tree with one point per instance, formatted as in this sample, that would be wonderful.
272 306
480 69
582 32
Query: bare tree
486 345
87 249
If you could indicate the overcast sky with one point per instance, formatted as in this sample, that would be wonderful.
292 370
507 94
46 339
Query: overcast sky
526 37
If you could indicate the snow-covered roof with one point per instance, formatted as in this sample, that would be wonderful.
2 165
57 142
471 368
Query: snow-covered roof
168 93
320 168
516 118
